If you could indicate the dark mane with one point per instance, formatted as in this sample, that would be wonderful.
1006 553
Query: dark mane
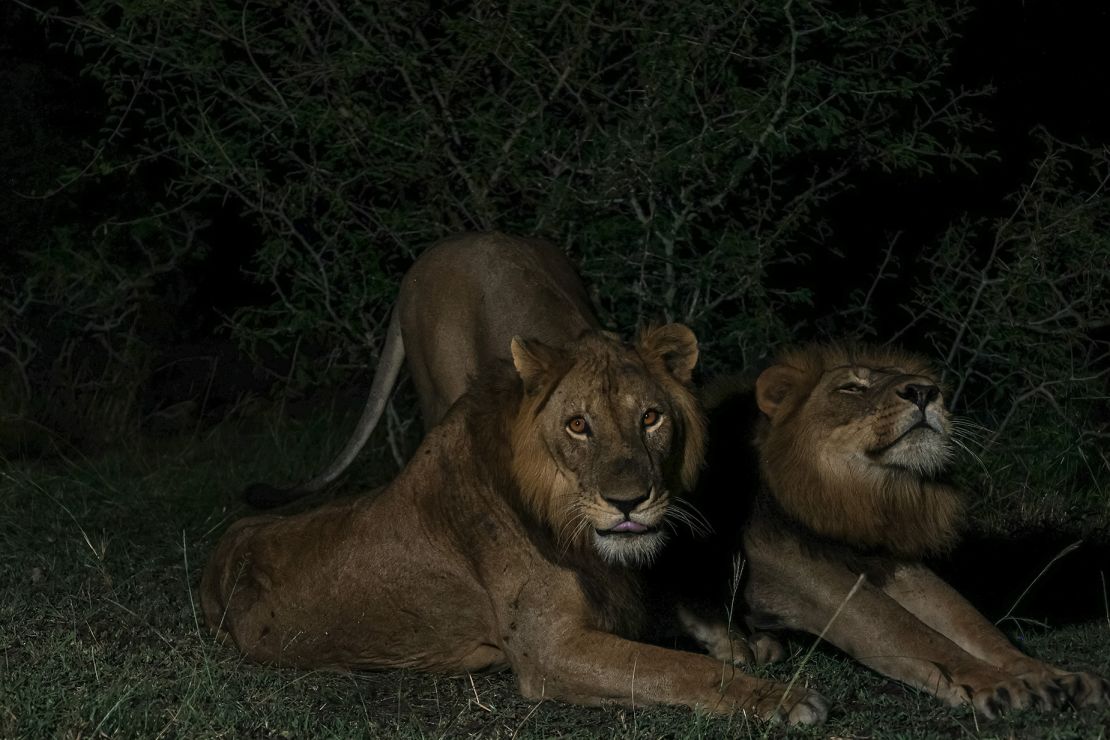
739 497
903 514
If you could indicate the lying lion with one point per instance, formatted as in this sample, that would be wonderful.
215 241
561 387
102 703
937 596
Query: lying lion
512 537
827 472
508 542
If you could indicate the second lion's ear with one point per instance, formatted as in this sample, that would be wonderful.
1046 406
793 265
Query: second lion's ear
774 386
534 361
675 345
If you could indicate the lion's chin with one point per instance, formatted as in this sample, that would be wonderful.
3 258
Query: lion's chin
629 548
921 450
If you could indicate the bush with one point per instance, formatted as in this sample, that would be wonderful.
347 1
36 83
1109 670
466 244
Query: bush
680 151
89 278
1019 312
691 157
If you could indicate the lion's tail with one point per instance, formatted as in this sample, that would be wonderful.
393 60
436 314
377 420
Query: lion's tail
264 496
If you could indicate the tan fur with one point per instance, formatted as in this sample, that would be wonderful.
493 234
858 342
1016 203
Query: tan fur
551 488
471 559
866 505
845 505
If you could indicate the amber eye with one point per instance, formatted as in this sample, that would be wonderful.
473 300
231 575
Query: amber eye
852 388
578 425
650 418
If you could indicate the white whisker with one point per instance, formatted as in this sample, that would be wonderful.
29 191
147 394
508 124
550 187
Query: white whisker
969 428
688 514
973 456
697 528
963 437
579 520
695 515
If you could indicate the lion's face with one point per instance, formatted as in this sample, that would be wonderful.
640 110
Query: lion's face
866 417
855 439
607 433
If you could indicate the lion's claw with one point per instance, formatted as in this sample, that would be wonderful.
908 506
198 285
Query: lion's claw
996 699
1082 689
1045 691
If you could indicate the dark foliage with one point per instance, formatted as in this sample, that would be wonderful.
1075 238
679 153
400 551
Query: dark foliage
765 173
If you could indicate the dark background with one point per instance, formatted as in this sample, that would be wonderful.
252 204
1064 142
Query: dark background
1044 59
156 283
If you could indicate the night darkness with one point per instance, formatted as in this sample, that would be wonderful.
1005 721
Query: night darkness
1043 59
197 267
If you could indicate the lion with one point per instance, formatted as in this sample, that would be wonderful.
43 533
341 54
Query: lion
513 539
458 307
826 478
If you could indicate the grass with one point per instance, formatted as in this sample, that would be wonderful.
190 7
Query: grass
99 633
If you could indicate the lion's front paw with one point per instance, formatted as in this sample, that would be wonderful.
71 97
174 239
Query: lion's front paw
730 647
808 708
796 706
765 648
1080 689
721 642
1017 693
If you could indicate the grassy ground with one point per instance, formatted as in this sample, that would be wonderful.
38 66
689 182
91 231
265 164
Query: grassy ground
99 633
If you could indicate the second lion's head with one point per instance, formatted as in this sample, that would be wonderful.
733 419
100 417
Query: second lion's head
853 441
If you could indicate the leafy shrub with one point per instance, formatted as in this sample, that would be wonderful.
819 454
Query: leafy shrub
1019 312
680 151
690 156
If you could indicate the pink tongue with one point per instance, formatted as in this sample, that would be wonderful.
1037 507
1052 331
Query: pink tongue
629 526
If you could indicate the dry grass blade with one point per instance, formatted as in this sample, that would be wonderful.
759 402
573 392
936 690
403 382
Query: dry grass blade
1067 550
809 653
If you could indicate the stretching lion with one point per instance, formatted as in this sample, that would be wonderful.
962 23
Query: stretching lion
510 540
827 471
459 305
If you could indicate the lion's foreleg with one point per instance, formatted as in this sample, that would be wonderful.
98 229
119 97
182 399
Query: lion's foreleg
941 607
806 593
592 667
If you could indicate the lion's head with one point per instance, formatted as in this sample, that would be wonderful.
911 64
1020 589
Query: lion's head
852 442
606 435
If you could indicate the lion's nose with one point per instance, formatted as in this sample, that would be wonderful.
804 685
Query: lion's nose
627 505
919 394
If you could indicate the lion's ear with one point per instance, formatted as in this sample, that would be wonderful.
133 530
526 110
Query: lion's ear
673 344
534 361
774 385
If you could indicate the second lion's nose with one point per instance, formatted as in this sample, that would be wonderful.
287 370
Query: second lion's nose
919 394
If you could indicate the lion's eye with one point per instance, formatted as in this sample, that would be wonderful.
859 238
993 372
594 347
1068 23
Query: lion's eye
650 418
578 425
852 388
